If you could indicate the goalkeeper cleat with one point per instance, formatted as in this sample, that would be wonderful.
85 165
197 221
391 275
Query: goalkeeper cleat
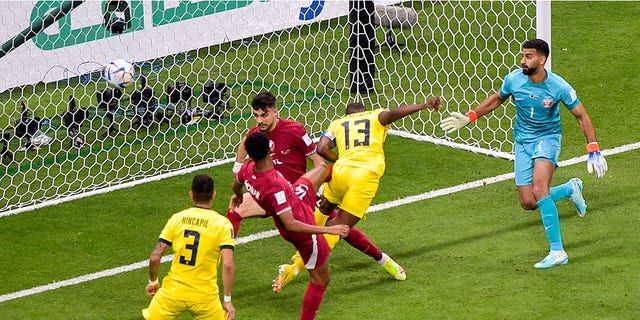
576 197
554 258
394 269
286 273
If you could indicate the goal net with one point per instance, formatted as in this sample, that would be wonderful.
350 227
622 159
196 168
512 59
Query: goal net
197 64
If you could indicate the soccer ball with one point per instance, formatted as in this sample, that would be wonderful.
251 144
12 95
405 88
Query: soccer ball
118 73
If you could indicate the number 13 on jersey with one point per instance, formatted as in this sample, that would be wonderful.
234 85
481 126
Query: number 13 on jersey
356 133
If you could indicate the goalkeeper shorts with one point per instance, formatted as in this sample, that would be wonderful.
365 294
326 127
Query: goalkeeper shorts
526 154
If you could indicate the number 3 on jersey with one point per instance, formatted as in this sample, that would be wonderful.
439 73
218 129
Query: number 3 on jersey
193 247
360 134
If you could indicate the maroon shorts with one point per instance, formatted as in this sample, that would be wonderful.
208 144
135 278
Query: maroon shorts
314 248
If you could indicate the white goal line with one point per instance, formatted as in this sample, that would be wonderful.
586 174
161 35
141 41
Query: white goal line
272 233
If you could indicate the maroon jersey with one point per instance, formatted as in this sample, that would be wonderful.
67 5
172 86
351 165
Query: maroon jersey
291 145
276 195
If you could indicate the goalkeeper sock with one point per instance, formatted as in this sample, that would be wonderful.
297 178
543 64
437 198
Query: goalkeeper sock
551 222
359 240
562 191
235 219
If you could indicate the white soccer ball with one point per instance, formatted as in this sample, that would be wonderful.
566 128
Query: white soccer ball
118 73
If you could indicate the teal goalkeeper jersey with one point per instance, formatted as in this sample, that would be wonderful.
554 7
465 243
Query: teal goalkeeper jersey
537 105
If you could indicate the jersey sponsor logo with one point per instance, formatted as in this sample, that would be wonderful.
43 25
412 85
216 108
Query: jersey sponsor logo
280 197
547 103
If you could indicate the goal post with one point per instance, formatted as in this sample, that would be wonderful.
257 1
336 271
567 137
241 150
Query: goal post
199 63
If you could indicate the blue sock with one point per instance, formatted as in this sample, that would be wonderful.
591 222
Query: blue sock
551 222
562 191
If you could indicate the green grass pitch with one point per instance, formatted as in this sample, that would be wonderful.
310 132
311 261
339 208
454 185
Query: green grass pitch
468 255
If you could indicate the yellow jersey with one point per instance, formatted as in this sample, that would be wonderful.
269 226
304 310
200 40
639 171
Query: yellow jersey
197 235
359 138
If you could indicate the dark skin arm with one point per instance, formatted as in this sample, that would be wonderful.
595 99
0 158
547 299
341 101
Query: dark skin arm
325 145
325 149
388 117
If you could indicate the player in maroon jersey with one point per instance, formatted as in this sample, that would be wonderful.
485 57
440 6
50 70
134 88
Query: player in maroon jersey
291 207
291 147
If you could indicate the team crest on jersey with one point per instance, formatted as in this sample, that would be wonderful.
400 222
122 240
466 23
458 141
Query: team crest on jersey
547 103
272 146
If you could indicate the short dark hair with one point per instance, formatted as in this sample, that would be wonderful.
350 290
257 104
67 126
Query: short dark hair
355 107
257 145
202 187
540 45
263 101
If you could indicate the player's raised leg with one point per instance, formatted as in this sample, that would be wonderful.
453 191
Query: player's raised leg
571 189
248 208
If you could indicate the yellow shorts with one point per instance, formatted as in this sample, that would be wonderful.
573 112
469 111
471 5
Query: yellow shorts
163 307
352 189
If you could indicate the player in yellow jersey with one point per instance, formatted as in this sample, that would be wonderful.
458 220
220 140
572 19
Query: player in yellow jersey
200 238
358 166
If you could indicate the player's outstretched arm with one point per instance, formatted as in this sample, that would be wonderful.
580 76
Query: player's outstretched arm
388 117
294 225
458 120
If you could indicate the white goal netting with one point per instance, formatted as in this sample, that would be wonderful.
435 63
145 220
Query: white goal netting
66 133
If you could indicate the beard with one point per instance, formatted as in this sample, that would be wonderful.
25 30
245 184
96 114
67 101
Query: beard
528 70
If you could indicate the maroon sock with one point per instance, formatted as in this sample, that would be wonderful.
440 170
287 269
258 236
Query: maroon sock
311 301
235 219
359 240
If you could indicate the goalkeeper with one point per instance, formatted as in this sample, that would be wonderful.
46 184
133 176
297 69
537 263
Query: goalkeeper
537 93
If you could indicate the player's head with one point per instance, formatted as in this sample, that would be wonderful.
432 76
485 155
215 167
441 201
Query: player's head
264 111
355 107
202 188
257 145
534 55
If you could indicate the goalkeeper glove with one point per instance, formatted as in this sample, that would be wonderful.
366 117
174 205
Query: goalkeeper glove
457 120
596 161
